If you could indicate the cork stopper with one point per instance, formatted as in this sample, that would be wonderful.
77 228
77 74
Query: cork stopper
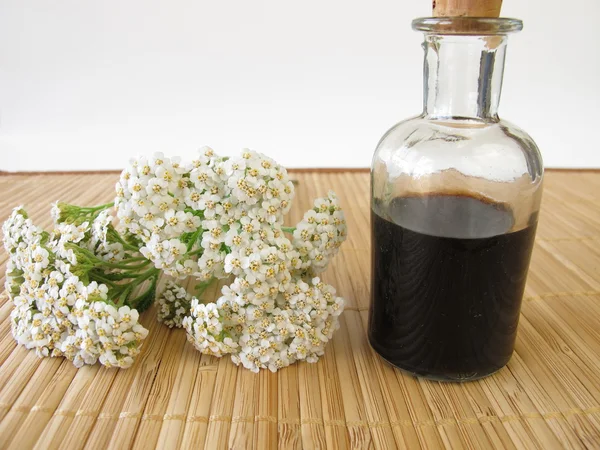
467 8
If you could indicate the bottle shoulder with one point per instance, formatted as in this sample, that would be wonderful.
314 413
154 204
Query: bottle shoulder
477 148
414 129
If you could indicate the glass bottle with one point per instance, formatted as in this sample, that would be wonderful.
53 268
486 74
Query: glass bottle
455 194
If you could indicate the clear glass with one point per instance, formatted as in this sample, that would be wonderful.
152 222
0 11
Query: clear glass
455 194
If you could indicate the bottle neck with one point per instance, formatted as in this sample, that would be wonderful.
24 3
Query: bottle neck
463 76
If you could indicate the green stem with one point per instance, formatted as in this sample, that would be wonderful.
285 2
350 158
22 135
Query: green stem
124 295
134 303
100 262
135 259
99 207
117 236
288 229
144 276
127 267
97 277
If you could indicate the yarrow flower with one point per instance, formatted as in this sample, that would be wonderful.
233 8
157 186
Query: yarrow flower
77 291
181 211
321 232
57 310
291 322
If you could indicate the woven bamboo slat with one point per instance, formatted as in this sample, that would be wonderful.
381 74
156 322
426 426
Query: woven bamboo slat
173 397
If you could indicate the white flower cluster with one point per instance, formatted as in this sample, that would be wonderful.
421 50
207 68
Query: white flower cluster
55 312
95 234
174 302
184 213
75 290
271 331
150 205
100 242
276 311
321 232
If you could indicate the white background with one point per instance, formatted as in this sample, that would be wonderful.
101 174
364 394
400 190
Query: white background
86 84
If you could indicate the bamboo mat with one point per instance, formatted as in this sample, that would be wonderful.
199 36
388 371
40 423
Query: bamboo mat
547 397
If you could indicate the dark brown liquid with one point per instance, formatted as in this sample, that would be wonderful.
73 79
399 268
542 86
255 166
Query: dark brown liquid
446 299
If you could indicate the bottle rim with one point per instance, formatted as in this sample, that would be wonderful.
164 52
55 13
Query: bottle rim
470 26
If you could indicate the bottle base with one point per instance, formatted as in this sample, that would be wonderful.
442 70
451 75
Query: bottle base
451 378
